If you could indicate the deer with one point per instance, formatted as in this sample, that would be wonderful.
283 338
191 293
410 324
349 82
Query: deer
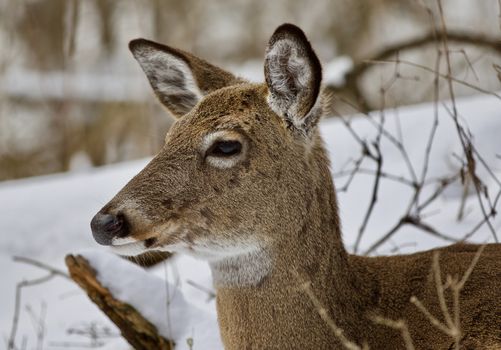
243 182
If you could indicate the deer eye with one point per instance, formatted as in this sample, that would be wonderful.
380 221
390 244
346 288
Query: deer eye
224 149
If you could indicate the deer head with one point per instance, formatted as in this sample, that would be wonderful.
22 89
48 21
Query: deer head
236 169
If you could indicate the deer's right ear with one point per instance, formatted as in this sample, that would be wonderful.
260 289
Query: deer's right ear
293 75
178 78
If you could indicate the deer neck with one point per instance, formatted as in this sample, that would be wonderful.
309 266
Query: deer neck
259 294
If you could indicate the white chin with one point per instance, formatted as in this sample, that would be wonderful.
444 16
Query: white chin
129 249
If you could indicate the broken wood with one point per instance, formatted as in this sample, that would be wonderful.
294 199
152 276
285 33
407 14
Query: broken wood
137 330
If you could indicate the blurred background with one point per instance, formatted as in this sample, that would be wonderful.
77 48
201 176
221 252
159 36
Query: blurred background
72 97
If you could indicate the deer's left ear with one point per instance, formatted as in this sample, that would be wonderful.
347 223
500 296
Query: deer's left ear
178 78
293 75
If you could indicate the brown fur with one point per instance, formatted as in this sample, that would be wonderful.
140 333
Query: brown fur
281 195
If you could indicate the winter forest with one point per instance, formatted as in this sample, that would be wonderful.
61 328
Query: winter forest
411 101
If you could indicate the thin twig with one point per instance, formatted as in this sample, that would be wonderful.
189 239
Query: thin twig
440 290
443 76
38 323
41 265
465 142
452 326
399 325
338 332
433 320
17 305
210 293
374 196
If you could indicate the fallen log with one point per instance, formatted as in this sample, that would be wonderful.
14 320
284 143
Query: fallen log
137 330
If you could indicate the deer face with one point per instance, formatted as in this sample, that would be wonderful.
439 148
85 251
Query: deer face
234 169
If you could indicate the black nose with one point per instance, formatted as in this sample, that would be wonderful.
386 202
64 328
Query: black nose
105 227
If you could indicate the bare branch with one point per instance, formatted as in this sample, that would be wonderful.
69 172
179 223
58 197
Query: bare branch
434 36
440 290
17 305
375 190
210 293
429 316
41 265
398 325
137 330
338 332
444 76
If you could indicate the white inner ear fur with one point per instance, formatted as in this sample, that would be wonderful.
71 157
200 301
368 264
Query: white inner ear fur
297 71
222 135
174 76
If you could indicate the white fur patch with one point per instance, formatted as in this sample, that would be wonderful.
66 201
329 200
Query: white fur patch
222 135
214 250
233 263
286 99
246 269
296 66
129 249
121 241
167 69
210 138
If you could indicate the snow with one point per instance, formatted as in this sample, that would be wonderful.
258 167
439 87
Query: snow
335 71
45 218
159 301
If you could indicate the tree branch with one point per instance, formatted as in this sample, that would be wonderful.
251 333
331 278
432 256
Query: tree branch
137 330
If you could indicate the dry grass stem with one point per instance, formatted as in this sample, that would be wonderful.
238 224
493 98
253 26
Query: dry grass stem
437 275
452 325
399 325
338 332
52 272
434 321
443 76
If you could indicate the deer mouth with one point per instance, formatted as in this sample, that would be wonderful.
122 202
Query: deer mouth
167 239
131 246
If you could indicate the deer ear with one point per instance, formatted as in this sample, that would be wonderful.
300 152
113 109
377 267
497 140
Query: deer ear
293 75
178 78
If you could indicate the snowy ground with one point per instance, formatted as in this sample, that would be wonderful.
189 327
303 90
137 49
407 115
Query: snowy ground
46 218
